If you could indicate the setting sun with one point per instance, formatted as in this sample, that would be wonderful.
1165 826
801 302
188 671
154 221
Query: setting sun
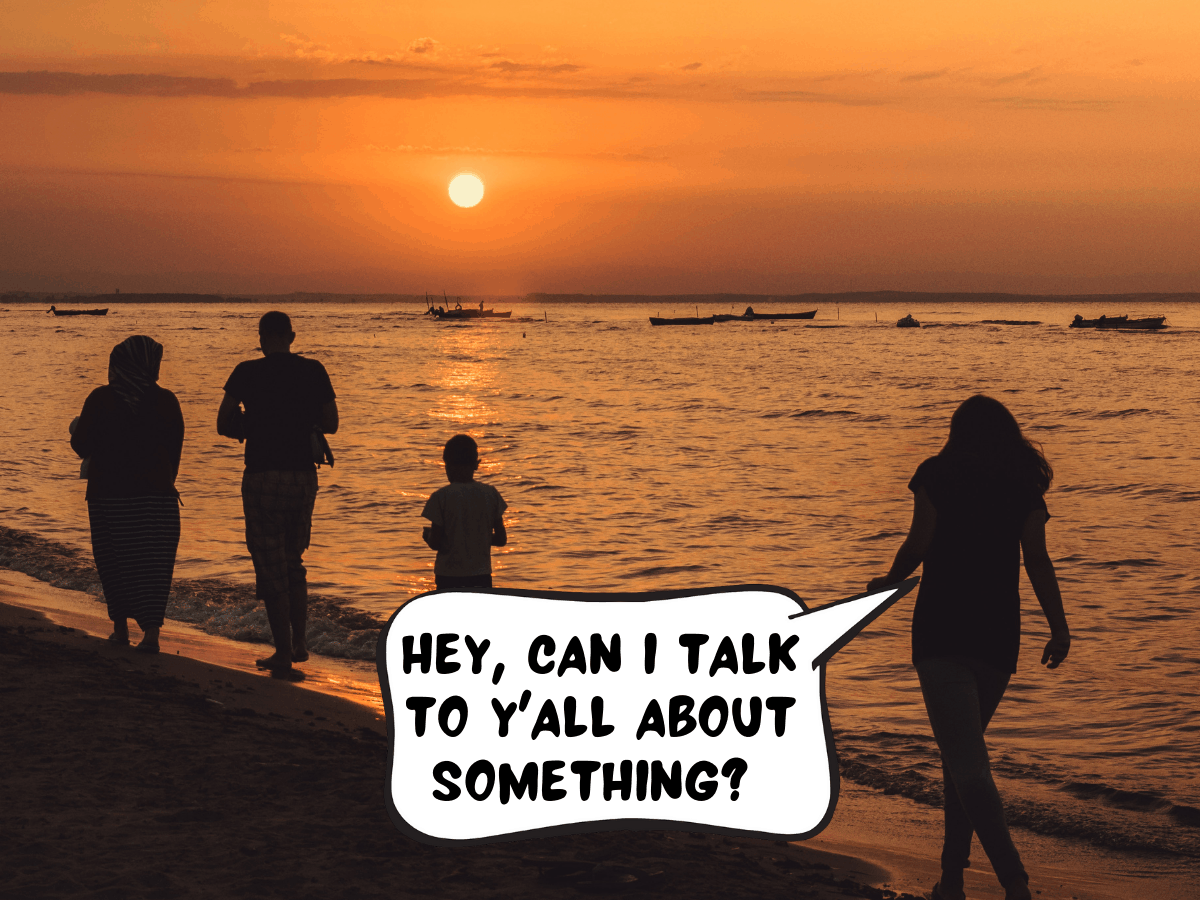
466 189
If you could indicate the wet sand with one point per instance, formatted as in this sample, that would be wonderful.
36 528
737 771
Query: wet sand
191 774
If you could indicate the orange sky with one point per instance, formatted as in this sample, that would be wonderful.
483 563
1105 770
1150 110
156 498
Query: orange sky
626 147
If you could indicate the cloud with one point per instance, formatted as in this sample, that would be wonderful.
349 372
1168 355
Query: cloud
423 45
926 76
798 96
429 150
499 77
1051 103
691 67
1027 75
513 68
131 85
303 48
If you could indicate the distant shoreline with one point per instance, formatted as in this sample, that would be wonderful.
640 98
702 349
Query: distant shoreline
111 300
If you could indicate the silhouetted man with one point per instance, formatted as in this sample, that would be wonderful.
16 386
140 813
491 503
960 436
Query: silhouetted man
285 398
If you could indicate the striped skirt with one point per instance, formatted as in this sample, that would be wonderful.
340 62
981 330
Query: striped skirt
134 540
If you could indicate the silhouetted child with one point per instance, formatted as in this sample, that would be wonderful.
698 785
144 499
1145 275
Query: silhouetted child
468 520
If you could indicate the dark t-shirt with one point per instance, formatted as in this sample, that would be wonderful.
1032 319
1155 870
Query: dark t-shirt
969 602
131 455
283 394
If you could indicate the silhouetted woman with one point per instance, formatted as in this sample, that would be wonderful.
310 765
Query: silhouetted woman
131 431
978 505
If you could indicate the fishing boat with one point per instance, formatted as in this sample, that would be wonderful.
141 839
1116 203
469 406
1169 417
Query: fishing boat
458 312
1147 323
686 320
751 316
1102 322
461 313
908 322
78 312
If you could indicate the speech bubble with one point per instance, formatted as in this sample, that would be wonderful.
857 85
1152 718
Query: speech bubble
518 714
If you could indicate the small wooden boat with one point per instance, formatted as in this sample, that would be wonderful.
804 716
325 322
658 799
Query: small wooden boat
469 313
686 320
458 312
1147 323
908 322
79 312
1102 322
751 316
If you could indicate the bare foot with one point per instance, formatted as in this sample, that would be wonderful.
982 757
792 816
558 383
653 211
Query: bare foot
947 893
274 662
149 643
120 633
299 654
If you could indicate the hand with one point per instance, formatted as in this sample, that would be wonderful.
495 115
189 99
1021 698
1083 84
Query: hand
877 584
1056 650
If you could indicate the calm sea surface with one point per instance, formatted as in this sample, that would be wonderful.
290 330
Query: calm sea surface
636 458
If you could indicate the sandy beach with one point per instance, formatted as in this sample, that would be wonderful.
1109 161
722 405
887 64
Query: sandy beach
177 775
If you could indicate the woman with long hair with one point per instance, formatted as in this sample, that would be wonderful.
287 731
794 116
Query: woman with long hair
978 506
131 434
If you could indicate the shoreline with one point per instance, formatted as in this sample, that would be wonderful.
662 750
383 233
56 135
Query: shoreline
282 786
882 844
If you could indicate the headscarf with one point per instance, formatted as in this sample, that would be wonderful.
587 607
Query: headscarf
133 369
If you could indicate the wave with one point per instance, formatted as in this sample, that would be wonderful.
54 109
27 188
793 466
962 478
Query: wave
809 413
661 570
1036 799
214 605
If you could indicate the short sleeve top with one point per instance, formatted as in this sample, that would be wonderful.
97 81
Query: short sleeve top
969 601
467 511
283 394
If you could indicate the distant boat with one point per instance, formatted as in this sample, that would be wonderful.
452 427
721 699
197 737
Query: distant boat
751 316
908 322
1148 323
686 320
440 313
78 312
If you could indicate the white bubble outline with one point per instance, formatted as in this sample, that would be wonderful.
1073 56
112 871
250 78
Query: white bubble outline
640 824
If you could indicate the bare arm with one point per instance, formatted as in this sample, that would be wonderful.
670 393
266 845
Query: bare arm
329 417
1045 585
230 422
499 535
916 544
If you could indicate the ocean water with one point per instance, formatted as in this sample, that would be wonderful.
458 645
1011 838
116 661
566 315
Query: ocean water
636 458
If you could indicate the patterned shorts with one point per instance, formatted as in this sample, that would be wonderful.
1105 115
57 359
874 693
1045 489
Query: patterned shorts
278 508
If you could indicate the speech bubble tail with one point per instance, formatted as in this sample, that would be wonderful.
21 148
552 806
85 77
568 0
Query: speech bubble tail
833 626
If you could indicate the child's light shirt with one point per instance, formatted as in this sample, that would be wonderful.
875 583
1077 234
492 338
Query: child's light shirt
467 512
